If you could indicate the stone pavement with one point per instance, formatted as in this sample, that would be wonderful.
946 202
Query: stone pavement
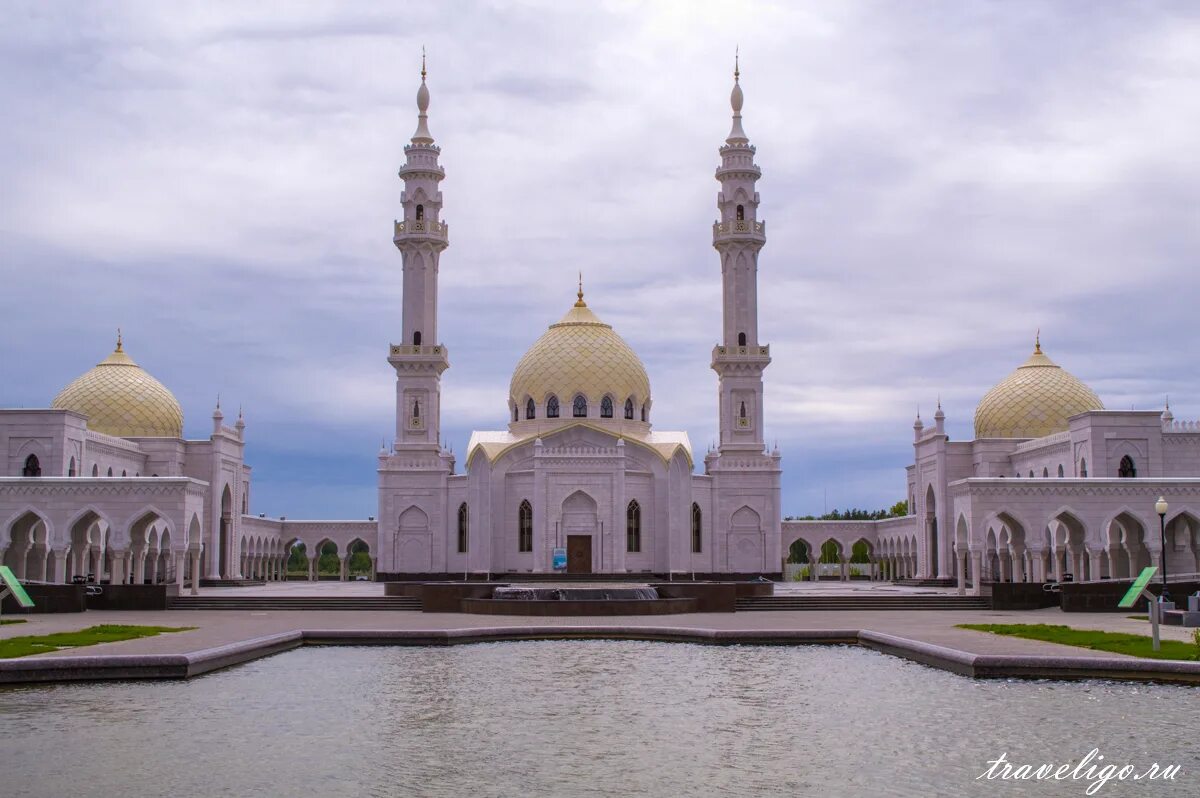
222 627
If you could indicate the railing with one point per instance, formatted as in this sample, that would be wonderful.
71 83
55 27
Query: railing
1040 443
421 227
1181 426
743 226
742 351
403 349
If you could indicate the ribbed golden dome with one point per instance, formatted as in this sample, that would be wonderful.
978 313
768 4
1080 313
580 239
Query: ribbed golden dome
121 399
580 354
1033 401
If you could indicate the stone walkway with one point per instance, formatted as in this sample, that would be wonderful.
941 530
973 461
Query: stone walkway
222 627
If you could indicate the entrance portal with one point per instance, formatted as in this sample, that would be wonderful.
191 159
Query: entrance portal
579 554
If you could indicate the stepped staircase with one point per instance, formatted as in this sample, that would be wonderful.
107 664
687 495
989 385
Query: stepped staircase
231 582
275 603
938 582
862 602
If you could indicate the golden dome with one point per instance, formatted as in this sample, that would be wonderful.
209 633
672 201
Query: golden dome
121 399
580 355
1034 401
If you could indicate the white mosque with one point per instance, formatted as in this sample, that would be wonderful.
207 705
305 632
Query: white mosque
102 482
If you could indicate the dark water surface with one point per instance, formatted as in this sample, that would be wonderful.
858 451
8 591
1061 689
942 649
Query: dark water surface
584 719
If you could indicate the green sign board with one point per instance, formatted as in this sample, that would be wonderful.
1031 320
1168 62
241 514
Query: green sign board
9 580
1139 584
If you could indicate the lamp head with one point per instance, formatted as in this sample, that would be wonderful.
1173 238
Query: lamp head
1160 506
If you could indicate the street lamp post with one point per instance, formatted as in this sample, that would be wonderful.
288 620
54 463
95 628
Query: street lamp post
1160 507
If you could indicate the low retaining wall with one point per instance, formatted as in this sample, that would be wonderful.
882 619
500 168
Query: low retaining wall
1103 596
47 598
1021 596
453 596
608 607
132 597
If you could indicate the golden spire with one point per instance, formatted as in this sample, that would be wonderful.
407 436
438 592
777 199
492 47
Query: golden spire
1037 342
119 339
579 303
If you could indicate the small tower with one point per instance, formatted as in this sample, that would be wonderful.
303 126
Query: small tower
419 359
738 235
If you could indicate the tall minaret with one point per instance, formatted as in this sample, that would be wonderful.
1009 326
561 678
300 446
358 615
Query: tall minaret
420 236
739 359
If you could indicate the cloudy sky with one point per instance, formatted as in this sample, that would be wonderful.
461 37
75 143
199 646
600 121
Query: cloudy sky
940 179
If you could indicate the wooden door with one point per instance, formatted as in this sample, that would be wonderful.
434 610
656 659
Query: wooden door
579 554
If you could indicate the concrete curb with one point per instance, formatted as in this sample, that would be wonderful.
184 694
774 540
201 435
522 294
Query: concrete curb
984 666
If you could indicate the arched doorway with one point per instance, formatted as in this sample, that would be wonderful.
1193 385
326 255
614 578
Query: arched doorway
932 534
579 527
223 552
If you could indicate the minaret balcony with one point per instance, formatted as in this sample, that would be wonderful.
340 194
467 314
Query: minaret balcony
740 230
742 358
421 228
419 359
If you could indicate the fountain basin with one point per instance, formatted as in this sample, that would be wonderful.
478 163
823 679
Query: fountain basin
575 593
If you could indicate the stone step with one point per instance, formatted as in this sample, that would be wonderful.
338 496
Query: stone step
293 603
845 603
932 582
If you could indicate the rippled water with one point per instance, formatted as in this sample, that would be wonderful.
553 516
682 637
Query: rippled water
582 719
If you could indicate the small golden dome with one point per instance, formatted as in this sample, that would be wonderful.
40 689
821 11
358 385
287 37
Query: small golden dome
580 355
121 399
1034 401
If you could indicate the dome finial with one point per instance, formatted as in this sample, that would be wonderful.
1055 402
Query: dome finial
1037 342
119 340
736 71
579 303
736 134
422 63
422 134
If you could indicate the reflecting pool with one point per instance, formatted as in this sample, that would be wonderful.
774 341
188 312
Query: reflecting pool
571 718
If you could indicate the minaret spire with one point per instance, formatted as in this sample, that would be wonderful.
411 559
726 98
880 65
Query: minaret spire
736 134
422 134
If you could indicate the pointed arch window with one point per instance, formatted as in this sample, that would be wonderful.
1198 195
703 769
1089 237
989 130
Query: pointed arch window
741 339
420 213
1060 470
33 467
552 407
1045 473
416 337
463 527
629 408
697 529
71 468
123 472
110 471
525 526
741 213
579 407
633 527
742 411
1127 470
530 409
645 411
95 469
516 412
1083 466
606 408
416 408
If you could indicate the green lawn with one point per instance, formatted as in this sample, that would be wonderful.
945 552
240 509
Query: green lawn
110 633
1116 642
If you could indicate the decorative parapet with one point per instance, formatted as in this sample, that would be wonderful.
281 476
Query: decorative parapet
403 350
1181 426
1057 439
113 442
420 228
740 230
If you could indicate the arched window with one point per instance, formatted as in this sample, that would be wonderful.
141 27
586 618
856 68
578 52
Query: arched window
606 407
629 408
516 413
416 408
95 470
1060 470
110 471
525 526
741 213
416 337
1031 473
33 467
552 407
1127 470
633 527
741 339
697 536
420 213
123 473
579 407
463 527
645 411
742 412
530 409
1083 466
71 468
1045 473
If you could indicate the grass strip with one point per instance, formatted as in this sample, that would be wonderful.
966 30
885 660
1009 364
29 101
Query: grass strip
7 621
1115 642
107 633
